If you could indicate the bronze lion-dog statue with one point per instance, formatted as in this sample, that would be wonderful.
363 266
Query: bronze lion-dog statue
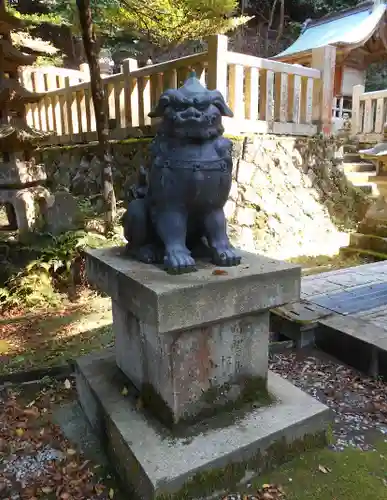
177 214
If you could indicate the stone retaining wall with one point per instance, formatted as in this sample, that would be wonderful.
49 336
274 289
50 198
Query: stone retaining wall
288 198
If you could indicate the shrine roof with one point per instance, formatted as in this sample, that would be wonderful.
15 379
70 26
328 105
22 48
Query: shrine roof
11 53
349 27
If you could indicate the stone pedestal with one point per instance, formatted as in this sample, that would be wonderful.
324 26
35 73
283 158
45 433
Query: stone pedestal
193 350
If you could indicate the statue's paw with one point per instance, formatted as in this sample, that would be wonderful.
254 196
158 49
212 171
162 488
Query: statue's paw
226 257
148 254
179 262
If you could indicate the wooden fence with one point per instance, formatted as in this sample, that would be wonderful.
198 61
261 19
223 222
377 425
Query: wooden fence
46 78
369 111
266 96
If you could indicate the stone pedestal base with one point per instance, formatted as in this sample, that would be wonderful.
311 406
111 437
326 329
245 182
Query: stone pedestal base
192 344
192 350
22 206
210 457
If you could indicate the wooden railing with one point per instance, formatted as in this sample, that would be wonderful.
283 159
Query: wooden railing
369 110
45 78
265 96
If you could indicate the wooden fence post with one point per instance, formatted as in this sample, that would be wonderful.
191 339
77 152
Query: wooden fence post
217 64
85 68
356 125
131 93
324 59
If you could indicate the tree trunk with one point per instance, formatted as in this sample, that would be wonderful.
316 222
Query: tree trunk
90 46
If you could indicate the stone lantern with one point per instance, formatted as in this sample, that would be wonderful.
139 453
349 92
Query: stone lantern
21 179
377 214
372 236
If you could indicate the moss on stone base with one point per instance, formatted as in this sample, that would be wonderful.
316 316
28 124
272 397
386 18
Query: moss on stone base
227 478
213 402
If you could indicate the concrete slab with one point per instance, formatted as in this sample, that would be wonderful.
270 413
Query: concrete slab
169 303
297 321
359 343
154 463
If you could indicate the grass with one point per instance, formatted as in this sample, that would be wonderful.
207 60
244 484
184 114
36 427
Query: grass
325 263
329 475
53 338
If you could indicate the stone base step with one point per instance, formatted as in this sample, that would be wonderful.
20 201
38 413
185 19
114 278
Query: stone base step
361 178
354 157
370 189
349 148
154 462
368 242
349 167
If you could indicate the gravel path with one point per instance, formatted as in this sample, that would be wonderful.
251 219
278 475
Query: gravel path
359 402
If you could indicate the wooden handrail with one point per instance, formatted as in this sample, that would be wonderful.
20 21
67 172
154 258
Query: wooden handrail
270 65
265 95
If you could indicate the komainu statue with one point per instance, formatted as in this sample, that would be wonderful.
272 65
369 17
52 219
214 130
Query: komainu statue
177 214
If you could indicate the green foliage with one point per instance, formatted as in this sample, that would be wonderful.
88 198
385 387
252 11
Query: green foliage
169 22
33 20
320 7
159 21
55 60
57 267
376 77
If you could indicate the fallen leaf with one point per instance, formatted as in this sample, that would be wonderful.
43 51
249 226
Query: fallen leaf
19 432
323 469
111 493
124 391
71 452
219 272
67 384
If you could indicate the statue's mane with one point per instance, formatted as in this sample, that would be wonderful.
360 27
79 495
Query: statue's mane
192 93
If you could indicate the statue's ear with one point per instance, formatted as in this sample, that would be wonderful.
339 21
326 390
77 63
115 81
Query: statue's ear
220 103
158 111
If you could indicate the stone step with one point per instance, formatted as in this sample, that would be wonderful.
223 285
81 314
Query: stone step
350 148
297 321
359 166
360 251
155 462
353 157
368 242
361 178
369 189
